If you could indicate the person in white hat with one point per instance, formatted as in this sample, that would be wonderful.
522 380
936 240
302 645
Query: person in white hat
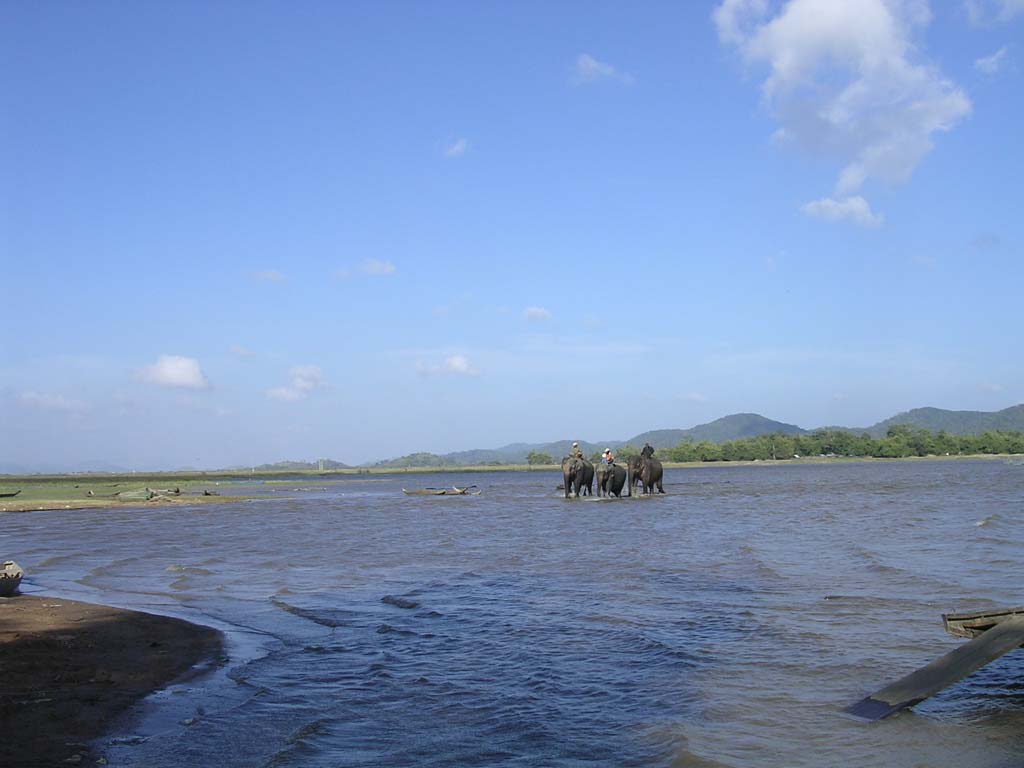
607 457
576 451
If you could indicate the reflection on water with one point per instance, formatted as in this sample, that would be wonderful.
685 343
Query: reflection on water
727 623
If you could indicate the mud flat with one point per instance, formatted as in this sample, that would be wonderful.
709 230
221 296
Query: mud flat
68 669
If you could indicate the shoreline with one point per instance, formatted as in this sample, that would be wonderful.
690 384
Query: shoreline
94 491
71 669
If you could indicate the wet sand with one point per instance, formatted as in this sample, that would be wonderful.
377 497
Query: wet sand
68 669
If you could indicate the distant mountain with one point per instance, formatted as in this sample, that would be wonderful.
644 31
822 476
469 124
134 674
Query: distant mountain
954 422
734 427
721 430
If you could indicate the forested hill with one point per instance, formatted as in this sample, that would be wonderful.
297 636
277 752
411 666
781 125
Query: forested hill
955 422
728 428
734 427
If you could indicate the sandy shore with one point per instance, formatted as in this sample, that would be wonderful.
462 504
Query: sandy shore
67 669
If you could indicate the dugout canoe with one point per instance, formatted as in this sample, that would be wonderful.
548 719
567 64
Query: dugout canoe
991 634
453 491
970 625
10 578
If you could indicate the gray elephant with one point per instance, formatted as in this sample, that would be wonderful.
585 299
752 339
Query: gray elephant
587 489
573 475
647 471
610 480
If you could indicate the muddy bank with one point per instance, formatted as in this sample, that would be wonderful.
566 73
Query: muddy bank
67 669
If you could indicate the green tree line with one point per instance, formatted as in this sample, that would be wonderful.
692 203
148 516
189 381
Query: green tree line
899 442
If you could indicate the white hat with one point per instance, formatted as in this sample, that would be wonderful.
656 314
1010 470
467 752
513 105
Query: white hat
607 450
575 445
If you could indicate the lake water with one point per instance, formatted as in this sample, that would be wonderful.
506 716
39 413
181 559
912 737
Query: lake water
725 624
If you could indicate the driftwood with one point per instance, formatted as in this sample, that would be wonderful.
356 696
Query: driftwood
10 495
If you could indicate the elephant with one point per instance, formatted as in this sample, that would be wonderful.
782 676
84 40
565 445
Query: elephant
587 488
646 471
610 480
578 476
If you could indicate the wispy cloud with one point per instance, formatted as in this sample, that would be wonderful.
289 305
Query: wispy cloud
845 80
589 70
372 267
269 276
536 313
991 65
303 379
51 403
457 148
241 352
174 371
377 267
855 209
986 12
453 365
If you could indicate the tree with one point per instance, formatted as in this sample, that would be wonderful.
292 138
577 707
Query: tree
533 458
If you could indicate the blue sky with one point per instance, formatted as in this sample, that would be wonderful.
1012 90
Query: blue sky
244 232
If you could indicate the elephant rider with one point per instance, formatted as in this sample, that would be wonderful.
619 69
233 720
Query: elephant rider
647 451
608 457
576 452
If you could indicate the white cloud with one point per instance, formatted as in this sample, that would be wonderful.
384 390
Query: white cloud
985 12
855 209
269 276
536 313
453 365
590 70
990 65
303 380
735 19
377 267
845 80
175 371
457 148
241 352
373 267
51 403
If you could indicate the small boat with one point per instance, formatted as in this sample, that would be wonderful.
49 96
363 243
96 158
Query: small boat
970 625
10 495
10 578
453 491
992 633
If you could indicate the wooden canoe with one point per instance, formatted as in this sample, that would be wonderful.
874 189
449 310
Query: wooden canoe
453 491
10 495
971 625
992 634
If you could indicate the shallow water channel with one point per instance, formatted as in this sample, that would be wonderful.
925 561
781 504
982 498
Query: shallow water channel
725 624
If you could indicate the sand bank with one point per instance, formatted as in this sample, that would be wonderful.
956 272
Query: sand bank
67 669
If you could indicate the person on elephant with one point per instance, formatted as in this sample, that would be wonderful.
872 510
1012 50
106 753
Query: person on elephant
576 452
647 451
608 457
